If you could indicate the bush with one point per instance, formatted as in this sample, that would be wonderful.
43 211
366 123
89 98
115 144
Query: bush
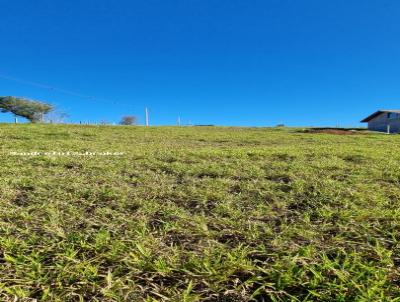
128 120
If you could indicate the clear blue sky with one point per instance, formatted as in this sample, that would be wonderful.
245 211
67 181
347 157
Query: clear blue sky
224 62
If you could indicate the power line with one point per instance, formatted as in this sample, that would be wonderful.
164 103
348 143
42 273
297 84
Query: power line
67 92
56 89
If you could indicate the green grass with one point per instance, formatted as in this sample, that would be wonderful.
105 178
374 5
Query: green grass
198 214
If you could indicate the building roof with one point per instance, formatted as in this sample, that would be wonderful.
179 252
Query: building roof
375 114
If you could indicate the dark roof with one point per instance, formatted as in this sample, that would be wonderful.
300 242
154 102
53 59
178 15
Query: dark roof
375 114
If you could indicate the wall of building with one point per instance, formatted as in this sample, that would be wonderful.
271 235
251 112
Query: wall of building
381 122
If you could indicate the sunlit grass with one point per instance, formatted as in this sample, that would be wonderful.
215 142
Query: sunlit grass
198 214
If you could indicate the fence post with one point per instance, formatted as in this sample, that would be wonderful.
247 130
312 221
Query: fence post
147 117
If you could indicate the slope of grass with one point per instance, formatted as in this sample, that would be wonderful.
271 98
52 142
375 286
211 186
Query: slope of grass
198 214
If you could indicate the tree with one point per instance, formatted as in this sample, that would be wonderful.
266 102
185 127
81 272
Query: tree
128 120
29 109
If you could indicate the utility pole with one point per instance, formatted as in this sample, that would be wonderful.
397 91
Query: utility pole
179 120
147 117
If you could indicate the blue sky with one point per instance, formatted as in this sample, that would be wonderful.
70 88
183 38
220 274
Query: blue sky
223 62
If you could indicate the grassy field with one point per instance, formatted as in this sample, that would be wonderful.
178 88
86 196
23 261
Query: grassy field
198 214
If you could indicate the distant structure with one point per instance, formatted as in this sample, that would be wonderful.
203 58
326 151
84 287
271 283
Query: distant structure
384 121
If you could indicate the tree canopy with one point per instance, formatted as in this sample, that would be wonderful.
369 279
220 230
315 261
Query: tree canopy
128 120
26 108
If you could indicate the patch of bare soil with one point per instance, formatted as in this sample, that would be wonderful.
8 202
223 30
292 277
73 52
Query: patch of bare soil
335 131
